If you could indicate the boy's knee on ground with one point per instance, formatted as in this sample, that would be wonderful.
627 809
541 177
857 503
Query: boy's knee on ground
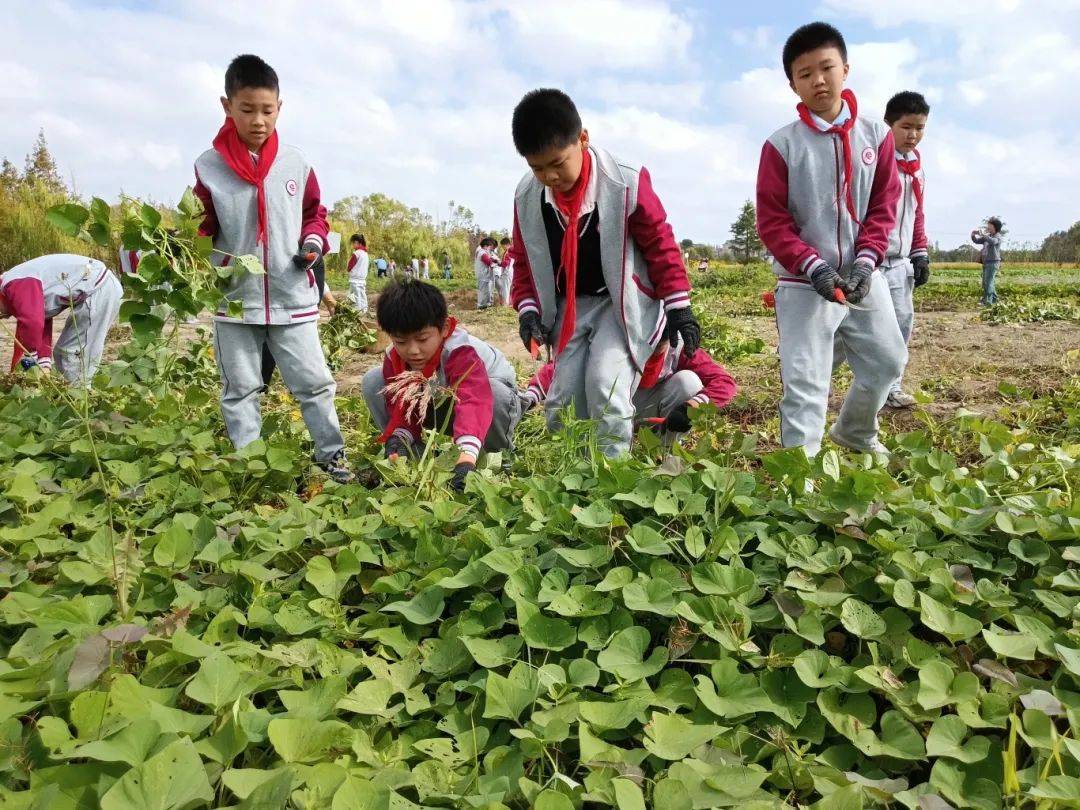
684 384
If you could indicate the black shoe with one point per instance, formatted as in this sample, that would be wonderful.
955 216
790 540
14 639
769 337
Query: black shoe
337 467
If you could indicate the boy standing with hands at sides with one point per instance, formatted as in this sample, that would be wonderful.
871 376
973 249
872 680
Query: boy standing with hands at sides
827 193
597 270
358 272
262 197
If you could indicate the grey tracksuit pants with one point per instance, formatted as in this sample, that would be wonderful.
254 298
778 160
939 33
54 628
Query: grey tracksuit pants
299 356
874 347
77 352
595 374
485 287
358 293
665 396
506 410
901 279
502 287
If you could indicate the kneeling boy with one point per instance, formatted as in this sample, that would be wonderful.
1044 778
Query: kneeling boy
484 409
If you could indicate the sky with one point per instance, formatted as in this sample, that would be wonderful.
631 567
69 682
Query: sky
413 98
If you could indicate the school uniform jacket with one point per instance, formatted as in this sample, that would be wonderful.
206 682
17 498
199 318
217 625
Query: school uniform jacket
39 290
358 264
908 239
294 212
470 367
641 261
717 385
802 215
483 260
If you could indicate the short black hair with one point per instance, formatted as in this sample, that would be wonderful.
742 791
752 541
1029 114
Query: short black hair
358 237
996 222
408 305
487 241
543 119
505 240
810 37
907 102
248 70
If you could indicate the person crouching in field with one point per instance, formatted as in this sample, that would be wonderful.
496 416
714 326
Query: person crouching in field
990 256
358 272
484 263
671 385
907 260
35 292
427 346
262 197
597 269
827 192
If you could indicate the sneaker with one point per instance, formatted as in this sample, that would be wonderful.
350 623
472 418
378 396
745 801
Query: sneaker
337 467
899 399
875 446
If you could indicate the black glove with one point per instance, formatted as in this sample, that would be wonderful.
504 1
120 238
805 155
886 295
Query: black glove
922 270
682 322
530 328
678 421
857 285
461 469
825 280
397 446
307 255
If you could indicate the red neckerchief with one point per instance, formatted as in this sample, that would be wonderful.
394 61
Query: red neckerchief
569 204
844 131
911 167
654 367
398 366
237 157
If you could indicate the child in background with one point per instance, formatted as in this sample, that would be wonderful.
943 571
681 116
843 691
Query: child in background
425 268
990 256
672 384
484 263
380 267
262 197
597 269
907 261
485 407
392 268
505 271
358 272
39 290
447 267
827 193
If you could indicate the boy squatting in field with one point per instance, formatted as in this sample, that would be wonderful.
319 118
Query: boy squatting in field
827 195
37 291
263 198
597 271
485 407
671 384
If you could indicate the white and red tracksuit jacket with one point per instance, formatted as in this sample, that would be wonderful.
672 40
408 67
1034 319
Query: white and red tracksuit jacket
358 262
641 260
295 213
802 212
470 367
717 385
39 290
484 258
907 240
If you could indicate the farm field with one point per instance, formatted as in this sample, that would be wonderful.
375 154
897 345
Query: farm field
187 626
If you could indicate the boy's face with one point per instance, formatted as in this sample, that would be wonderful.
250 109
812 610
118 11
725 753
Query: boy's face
991 229
908 131
559 167
254 110
355 245
417 348
818 77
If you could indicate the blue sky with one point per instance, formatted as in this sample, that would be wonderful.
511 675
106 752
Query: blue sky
413 97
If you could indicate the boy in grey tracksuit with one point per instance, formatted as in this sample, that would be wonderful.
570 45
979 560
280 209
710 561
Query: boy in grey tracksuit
827 194
262 198
990 256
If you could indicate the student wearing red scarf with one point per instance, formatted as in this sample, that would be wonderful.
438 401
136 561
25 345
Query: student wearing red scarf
261 197
827 193
598 274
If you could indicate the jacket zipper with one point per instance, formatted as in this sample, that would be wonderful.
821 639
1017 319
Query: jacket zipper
839 202
903 211
266 275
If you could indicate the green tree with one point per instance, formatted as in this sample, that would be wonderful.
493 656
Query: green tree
745 242
41 168
9 176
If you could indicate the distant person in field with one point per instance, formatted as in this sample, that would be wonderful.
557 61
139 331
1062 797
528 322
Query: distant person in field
36 291
425 268
827 194
358 272
380 267
504 272
907 261
393 268
597 271
485 261
447 267
989 236
262 197
484 408
703 266
672 385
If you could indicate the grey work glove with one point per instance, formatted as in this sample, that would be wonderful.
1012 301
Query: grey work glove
531 329
921 266
308 254
825 280
681 322
857 284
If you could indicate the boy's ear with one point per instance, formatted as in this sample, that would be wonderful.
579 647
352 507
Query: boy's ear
791 84
446 329
584 138
225 106
847 69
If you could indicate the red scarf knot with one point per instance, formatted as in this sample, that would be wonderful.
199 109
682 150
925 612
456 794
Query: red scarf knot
237 157
569 204
911 168
844 131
